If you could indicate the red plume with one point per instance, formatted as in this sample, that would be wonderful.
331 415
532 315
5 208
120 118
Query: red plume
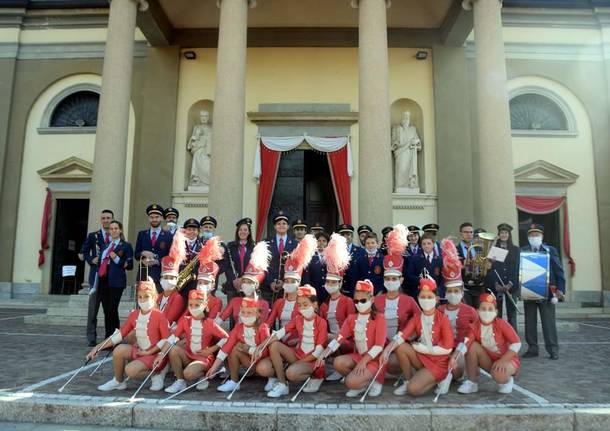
452 266
397 240
302 254
336 254
177 251
211 251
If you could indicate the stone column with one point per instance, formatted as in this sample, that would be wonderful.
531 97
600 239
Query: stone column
226 172
374 155
108 182
495 200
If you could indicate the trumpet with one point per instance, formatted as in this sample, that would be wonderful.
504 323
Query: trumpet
475 262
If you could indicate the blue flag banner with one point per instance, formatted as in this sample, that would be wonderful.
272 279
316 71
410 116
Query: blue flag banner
534 276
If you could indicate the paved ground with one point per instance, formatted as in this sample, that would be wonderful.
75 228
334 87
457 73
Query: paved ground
33 355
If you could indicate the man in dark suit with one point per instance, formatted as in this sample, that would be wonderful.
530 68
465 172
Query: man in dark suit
351 273
384 236
432 229
208 227
556 289
429 260
170 215
413 247
299 229
280 245
370 263
152 245
90 251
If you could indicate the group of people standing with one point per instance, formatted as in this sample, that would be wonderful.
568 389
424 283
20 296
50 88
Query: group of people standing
311 306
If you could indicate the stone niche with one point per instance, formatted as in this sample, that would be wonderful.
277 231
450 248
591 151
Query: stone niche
417 120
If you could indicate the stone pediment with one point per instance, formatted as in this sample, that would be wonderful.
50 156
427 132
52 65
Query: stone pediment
72 169
544 173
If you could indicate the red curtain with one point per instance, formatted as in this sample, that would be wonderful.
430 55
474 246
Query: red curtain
547 205
337 162
270 162
44 229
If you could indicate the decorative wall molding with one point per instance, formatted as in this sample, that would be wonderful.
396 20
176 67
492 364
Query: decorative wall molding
542 177
414 202
258 117
190 199
546 52
72 169
72 50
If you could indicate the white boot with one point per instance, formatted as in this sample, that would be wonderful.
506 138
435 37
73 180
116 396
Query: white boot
506 388
353 393
202 386
279 390
313 386
177 386
402 389
271 382
113 385
468 387
334 376
228 386
375 390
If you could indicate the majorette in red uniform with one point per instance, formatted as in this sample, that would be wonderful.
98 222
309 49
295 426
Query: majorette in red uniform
367 330
210 252
251 280
246 343
310 332
171 302
493 345
151 330
396 307
429 353
203 338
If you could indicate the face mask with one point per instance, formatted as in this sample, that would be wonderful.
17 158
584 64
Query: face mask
196 311
308 312
331 289
168 284
371 251
171 225
363 307
248 321
146 305
487 316
207 235
427 304
535 241
392 286
203 287
247 289
454 298
290 287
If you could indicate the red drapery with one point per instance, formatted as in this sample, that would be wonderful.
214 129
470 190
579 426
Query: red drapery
44 229
270 162
337 163
547 205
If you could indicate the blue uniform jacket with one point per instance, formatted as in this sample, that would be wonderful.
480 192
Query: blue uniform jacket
89 250
117 277
372 271
414 268
160 250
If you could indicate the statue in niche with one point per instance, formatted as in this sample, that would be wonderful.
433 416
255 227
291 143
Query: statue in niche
405 146
200 146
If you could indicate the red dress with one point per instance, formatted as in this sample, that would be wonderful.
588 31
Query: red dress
232 309
248 335
311 338
433 332
199 334
336 311
151 329
496 338
397 312
172 307
461 320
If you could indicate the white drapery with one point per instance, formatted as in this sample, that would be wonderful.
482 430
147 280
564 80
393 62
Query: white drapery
288 143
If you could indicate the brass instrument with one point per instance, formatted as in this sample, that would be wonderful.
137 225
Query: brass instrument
476 264
280 277
186 275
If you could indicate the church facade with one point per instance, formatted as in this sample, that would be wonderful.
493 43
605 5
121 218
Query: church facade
363 112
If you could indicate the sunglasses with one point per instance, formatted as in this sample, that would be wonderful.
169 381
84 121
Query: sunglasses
360 301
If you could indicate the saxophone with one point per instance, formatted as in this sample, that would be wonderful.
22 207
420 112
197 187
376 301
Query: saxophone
186 275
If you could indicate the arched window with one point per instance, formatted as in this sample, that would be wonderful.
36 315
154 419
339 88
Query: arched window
78 109
539 112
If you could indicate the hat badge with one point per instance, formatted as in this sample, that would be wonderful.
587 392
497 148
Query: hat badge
290 268
391 264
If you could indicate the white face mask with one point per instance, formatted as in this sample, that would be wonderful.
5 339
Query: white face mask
168 284
203 287
146 305
171 225
392 286
371 251
248 321
331 289
454 298
290 287
487 316
535 241
427 304
247 289
363 307
196 311
308 312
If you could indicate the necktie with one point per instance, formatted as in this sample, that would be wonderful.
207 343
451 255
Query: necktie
106 238
429 258
242 255
281 246
105 261
370 260
153 238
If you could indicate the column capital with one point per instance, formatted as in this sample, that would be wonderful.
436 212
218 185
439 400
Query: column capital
142 5
355 3
467 4
251 3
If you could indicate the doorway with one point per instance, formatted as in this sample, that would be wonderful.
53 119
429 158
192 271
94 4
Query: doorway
551 223
304 188
69 234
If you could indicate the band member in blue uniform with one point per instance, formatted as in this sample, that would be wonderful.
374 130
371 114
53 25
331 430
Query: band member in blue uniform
428 260
315 273
432 229
363 230
351 273
466 236
316 228
193 244
90 252
171 214
280 245
208 227
236 257
557 289
370 263
299 229
413 247
152 245
384 235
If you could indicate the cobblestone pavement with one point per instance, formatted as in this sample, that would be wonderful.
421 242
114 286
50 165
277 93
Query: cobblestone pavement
31 354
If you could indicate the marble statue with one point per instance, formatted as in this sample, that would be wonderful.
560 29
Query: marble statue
405 146
200 146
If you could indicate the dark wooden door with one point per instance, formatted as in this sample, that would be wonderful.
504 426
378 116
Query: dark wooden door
320 200
550 222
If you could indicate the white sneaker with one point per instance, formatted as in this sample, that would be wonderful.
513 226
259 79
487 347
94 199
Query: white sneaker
113 385
468 387
375 390
271 382
228 386
334 376
313 386
402 389
177 386
202 386
158 380
507 387
353 393
279 390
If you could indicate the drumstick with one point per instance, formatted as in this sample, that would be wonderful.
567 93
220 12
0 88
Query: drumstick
508 295
194 384
133 397
250 367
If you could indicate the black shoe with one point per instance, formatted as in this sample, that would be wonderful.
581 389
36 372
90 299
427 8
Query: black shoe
554 356
91 344
530 354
